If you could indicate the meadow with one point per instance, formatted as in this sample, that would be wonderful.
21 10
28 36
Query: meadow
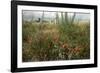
50 42
50 36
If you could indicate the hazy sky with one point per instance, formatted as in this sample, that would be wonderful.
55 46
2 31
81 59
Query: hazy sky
28 15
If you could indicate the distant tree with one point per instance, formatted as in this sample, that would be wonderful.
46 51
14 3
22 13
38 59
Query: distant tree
57 18
62 18
42 18
32 19
38 20
66 18
73 18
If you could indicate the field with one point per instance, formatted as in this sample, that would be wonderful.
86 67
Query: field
50 42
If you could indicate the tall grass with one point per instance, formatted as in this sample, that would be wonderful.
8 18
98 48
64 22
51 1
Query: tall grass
49 42
61 40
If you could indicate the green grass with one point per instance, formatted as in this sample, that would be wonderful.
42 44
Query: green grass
49 42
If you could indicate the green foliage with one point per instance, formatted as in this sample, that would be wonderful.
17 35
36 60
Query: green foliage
46 42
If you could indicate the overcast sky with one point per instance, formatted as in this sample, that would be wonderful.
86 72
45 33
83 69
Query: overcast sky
28 15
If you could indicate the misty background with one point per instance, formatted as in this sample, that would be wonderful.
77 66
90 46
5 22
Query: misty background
29 15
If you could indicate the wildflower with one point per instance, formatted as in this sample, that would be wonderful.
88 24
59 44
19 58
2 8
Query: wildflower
65 45
29 39
76 49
